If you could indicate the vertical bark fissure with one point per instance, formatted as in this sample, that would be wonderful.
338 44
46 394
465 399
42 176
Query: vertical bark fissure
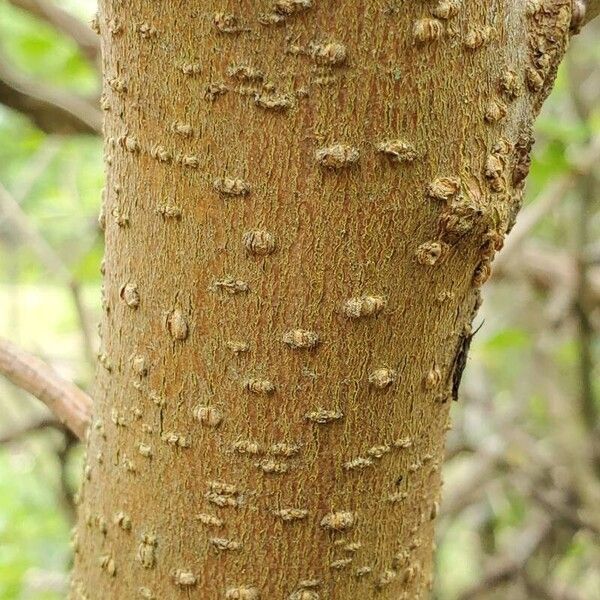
303 199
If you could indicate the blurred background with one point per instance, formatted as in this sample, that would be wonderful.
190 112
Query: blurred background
521 512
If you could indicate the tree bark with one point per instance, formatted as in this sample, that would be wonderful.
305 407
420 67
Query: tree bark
303 199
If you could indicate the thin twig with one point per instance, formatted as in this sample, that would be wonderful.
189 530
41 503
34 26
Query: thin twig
548 269
70 405
531 481
559 509
482 468
84 321
52 261
588 187
456 448
585 331
65 493
32 171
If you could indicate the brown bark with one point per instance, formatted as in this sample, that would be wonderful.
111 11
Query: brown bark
303 199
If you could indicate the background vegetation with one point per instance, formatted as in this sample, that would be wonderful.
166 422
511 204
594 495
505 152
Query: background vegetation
521 512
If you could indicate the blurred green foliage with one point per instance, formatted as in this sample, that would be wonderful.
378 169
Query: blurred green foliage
34 533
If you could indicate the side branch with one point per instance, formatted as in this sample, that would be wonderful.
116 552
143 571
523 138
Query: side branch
53 111
72 406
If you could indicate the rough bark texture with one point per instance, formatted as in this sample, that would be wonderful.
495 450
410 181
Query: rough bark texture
303 199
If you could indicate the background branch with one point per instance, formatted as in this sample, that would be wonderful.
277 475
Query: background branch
588 187
68 403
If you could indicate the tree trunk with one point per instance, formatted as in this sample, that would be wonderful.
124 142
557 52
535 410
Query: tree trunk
303 199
